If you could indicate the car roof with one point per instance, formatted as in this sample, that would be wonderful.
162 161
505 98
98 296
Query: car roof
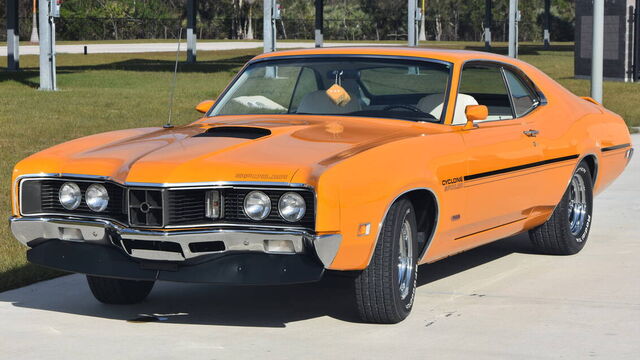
448 55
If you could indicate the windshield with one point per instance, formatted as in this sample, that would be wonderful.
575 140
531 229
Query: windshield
410 90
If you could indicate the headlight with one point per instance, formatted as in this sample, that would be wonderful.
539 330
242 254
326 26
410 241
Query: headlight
257 205
97 197
292 207
69 196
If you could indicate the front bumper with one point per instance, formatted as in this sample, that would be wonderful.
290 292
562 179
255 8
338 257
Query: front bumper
244 256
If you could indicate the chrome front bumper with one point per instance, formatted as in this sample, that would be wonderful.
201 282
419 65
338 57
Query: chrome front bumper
185 244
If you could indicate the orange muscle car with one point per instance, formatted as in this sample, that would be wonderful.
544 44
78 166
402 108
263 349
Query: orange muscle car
368 161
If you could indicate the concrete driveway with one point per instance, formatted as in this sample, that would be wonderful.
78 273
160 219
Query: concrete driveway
498 301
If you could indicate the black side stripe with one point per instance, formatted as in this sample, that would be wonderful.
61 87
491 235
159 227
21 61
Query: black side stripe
519 167
616 147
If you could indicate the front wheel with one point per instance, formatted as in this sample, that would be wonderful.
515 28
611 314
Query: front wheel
386 289
566 232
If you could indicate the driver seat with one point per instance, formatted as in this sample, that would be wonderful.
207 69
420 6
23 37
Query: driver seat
434 103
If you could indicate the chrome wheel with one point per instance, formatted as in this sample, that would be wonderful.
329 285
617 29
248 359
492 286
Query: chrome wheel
577 205
405 259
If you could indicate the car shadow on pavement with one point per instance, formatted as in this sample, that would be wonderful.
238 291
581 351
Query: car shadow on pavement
266 306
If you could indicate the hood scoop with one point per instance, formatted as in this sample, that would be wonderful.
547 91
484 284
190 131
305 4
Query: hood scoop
238 132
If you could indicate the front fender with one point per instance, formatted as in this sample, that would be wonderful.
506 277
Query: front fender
368 185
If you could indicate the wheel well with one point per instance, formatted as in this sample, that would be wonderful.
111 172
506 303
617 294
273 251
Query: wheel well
426 208
591 162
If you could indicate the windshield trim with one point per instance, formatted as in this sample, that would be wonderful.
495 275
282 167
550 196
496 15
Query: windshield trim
334 57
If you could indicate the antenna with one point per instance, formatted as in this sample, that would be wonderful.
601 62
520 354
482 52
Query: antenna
172 90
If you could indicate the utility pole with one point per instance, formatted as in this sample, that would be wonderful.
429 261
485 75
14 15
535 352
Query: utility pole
269 25
319 36
48 10
513 28
597 50
191 34
13 36
34 27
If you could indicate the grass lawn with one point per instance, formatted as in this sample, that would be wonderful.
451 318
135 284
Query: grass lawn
101 92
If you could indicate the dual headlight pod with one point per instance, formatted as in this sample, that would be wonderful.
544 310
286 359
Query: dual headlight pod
291 206
96 196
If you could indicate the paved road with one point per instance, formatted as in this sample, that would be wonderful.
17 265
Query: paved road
497 301
171 47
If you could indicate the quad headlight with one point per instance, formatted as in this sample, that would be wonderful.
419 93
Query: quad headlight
257 205
97 197
292 207
70 196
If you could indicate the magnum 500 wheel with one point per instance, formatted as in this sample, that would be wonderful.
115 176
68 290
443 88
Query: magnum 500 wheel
566 232
119 291
386 289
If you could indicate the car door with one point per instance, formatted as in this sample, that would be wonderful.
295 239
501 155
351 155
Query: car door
559 156
499 183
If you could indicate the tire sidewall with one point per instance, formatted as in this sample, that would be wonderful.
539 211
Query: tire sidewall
405 211
578 241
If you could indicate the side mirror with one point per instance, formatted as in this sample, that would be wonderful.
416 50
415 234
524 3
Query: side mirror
204 106
475 113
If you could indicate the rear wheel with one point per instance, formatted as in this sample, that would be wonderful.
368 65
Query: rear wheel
119 291
386 289
566 232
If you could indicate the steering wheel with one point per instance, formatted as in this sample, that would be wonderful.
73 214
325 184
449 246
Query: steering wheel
409 107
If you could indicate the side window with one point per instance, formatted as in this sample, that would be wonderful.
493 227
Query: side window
523 98
483 85
307 83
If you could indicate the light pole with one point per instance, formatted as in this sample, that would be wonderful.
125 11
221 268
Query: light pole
271 13
597 50
413 18
513 28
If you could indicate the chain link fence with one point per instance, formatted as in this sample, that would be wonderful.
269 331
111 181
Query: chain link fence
87 28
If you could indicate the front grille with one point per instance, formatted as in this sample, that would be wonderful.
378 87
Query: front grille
146 207
187 207
157 208
234 208
49 202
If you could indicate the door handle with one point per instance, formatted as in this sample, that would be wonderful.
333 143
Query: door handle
531 133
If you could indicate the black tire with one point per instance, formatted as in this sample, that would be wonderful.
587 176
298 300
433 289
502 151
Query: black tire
119 291
377 289
556 236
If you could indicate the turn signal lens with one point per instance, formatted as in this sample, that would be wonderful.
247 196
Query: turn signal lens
213 205
69 196
364 229
279 246
97 197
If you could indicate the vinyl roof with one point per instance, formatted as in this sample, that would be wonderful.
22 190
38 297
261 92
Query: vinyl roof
449 55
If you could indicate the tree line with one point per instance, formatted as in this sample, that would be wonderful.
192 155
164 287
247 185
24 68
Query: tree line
445 20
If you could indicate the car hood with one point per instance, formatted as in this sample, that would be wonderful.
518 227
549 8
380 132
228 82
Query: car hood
240 148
